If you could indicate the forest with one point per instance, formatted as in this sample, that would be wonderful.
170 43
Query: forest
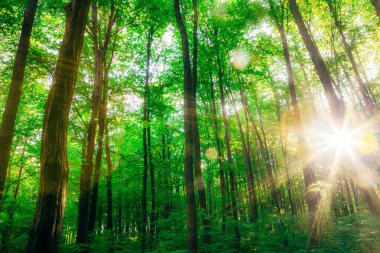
190 126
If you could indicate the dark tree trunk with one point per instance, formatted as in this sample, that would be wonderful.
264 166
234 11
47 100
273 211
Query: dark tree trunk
189 110
196 141
146 145
150 155
220 155
98 164
109 224
15 91
47 225
229 153
319 64
376 4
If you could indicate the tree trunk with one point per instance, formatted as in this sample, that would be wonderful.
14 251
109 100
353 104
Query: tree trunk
109 224
98 164
47 225
319 64
253 215
263 149
307 168
196 141
100 49
362 87
220 155
15 91
229 153
189 110
376 4
146 133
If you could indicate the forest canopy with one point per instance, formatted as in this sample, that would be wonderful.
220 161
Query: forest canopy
190 126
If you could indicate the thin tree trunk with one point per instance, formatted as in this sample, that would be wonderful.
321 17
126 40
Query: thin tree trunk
15 91
230 161
248 164
109 224
47 225
362 87
263 149
189 110
220 155
146 137
100 49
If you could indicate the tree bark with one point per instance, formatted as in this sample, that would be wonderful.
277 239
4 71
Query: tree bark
189 110
47 225
15 91
319 64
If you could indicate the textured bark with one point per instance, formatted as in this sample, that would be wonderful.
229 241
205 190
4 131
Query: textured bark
319 64
189 109
47 225
15 91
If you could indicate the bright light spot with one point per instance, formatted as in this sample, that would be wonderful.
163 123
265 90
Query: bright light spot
342 139
240 58
367 143
168 37
211 154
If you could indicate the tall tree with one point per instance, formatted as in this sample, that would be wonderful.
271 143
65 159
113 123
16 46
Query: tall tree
189 112
319 63
308 170
362 87
47 225
15 91
100 48
196 141
146 143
